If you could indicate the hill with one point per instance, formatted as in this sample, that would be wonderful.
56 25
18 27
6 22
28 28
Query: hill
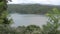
30 8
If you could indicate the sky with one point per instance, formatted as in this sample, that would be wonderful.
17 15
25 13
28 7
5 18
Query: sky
52 2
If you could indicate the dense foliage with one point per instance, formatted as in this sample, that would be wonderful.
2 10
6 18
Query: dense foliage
53 25
4 21
30 8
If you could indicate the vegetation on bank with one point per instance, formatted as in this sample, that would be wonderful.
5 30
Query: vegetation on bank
30 8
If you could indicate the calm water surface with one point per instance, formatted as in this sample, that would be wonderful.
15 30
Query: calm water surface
28 19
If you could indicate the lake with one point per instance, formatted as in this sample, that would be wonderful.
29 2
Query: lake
28 19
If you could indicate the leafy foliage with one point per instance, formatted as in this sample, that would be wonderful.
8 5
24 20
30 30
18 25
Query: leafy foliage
33 29
4 21
30 8
53 24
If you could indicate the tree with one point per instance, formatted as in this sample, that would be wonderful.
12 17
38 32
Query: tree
33 29
52 26
20 29
4 13
4 21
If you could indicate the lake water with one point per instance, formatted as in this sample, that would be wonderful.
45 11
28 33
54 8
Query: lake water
28 19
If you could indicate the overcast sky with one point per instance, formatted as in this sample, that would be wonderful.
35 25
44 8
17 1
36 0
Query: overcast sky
54 2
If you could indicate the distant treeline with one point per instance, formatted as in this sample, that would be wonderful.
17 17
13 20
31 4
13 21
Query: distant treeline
30 8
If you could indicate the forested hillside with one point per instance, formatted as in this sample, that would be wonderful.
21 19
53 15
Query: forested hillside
30 8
